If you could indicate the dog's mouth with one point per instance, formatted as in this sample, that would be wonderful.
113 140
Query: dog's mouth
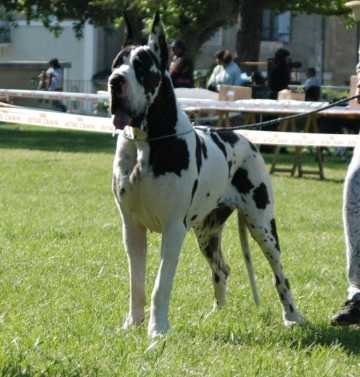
120 119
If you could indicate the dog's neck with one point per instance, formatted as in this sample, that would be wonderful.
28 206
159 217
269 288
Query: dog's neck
162 115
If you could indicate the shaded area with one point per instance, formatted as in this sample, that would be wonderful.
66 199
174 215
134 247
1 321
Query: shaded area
305 337
38 138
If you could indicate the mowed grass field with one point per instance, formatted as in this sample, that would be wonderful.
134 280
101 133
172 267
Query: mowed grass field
64 279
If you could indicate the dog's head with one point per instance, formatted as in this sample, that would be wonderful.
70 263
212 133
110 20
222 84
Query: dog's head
137 73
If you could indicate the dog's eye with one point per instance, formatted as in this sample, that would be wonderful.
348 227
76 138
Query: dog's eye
139 71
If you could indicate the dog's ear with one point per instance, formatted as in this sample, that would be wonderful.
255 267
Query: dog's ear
129 35
157 42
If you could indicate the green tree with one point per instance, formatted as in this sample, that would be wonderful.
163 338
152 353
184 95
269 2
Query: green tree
194 21
249 36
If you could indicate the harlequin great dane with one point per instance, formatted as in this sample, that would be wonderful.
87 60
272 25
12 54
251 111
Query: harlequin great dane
169 177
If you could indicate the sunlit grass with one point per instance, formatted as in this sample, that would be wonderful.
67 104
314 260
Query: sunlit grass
64 282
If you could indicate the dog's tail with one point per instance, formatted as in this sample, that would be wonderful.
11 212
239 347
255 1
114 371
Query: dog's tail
247 256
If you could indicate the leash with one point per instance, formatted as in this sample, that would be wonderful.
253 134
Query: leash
135 134
271 122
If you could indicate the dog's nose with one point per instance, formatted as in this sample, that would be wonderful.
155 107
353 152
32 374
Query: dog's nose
117 84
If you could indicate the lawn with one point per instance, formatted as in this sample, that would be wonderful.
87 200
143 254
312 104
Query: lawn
64 283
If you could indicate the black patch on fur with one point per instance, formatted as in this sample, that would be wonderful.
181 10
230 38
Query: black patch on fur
229 165
261 197
217 141
252 146
198 152
193 217
212 246
144 63
122 191
119 58
229 137
185 222
203 148
217 217
216 278
241 181
195 185
274 233
207 194
277 280
168 155
291 308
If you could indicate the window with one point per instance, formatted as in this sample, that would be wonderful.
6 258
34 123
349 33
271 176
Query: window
5 36
276 26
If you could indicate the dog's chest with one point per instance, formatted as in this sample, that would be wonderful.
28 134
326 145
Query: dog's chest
138 193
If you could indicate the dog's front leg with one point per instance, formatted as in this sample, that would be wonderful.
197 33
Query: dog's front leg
172 240
134 238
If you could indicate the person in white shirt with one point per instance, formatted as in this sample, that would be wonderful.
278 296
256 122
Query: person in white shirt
55 80
226 72
349 314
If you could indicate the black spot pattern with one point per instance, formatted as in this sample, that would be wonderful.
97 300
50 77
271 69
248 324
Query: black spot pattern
212 246
252 146
241 181
274 233
119 58
147 70
198 152
229 137
261 197
217 217
167 155
229 165
195 185
217 141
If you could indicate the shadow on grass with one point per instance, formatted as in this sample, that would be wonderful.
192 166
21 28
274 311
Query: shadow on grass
23 137
18 366
305 337
348 338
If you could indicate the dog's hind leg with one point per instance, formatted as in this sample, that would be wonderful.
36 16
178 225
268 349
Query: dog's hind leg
265 234
134 238
247 256
208 235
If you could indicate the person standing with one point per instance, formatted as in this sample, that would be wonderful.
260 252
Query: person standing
55 81
279 72
349 314
312 86
181 67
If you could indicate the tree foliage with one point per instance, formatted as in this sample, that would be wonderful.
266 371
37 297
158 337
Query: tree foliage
194 21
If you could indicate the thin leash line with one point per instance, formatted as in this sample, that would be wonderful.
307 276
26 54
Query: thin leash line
124 134
245 126
281 119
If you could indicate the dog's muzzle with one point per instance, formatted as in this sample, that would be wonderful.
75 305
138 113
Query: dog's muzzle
120 120
119 106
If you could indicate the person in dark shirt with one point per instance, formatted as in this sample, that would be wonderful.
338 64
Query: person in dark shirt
181 66
279 72
312 86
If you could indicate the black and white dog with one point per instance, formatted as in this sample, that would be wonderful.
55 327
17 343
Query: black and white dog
169 177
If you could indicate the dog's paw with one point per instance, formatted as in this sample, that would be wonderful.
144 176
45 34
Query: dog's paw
157 344
215 309
131 322
293 319
157 330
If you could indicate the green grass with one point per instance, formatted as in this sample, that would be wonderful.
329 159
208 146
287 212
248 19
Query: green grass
64 283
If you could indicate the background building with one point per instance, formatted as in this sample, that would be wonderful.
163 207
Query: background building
315 41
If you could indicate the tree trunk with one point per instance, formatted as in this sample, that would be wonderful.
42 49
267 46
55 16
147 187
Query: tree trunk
248 38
